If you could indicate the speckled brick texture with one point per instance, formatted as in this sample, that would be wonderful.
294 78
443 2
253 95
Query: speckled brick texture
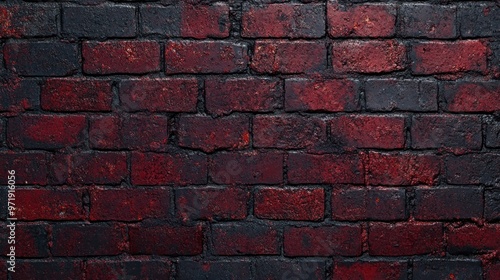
251 140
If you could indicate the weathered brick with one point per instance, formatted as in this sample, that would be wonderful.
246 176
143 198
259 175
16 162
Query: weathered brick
161 20
473 169
203 21
127 269
368 56
447 269
48 269
277 269
47 204
473 239
30 168
479 20
288 57
31 240
165 240
373 270
492 271
492 205
244 239
492 131
18 95
187 270
427 21
472 96
28 20
448 203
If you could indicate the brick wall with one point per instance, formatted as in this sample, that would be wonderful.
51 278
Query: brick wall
251 139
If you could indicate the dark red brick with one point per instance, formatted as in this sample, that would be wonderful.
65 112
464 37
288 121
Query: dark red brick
247 168
283 20
288 57
242 95
187 270
473 239
447 269
362 203
212 203
479 20
159 95
402 169
127 269
492 205
205 57
473 169
472 97
47 204
28 20
48 269
361 20
290 204
31 240
324 169
159 169
166 240
244 239
492 131
448 203
203 21
209 134
87 240
19 95
278 269
46 131
30 168
287 131
331 95
121 57
128 204
72 95
368 56
369 270
343 240
449 57
427 21
492 271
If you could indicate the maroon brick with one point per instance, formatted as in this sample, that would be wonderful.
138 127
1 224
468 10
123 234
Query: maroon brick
138 269
492 132
242 95
492 271
447 269
209 134
46 131
29 20
87 240
18 95
166 240
331 95
72 95
361 20
247 168
287 131
121 57
160 169
492 205
128 204
288 57
362 203
202 21
290 204
244 239
113 132
369 270
31 240
159 95
205 57
448 203
187 269
402 169
364 131
368 56
47 204
343 240
30 168
449 57
278 269
472 97
473 239
324 169
48 269
283 20
473 169
212 203
427 21
406 239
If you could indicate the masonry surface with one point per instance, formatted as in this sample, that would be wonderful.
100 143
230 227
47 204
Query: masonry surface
251 139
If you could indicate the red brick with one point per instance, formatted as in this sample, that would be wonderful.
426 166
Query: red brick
17 95
128 204
323 241
492 271
87 240
209 134
427 21
159 95
283 20
72 95
127 269
459 202
121 57
30 168
361 20
368 56
287 131
290 204
212 203
288 57
159 169
28 20
362 203
405 239
481 168
402 169
472 97
242 95
449 57
48 269
202 21
205 57
368 131
244 239
47 204
165 240
324 169
446 131
46 131
471 239
31 240
247 168
113 132
369 270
